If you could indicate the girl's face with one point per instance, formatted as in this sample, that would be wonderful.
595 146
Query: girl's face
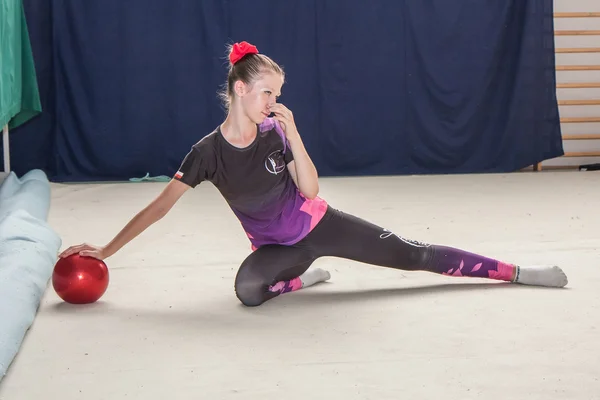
256 100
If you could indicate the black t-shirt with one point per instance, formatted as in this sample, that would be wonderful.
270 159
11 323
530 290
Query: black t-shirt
256 183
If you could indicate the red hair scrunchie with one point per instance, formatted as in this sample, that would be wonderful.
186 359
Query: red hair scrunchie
239 50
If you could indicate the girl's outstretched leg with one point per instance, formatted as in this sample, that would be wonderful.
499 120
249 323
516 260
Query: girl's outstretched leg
455 262
344 235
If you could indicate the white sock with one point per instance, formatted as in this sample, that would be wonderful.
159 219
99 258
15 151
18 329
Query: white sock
313 276
542 275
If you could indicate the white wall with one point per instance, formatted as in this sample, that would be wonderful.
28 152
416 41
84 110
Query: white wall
577 76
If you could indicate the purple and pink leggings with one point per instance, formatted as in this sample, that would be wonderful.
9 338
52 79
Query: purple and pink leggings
275 269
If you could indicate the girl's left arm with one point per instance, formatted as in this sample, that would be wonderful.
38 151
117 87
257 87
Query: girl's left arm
302 169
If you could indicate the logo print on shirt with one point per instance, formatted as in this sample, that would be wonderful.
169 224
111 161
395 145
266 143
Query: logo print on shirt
275 163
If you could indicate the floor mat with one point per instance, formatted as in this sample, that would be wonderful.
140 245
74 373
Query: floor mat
28 250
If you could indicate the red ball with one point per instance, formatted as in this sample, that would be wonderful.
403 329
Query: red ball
80 280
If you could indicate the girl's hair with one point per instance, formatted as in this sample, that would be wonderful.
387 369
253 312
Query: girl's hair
248 70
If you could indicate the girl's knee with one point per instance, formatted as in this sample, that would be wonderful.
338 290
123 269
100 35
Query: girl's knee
413 255
250 294
249 287
419 256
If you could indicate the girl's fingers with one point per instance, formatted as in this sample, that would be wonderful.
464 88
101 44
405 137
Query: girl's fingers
74 249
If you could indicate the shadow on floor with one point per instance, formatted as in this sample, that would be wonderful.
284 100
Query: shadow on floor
323 297
226 314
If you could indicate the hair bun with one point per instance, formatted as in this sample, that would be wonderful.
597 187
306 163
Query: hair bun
239 50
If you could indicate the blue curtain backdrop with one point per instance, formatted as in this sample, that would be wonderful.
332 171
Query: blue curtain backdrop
378 87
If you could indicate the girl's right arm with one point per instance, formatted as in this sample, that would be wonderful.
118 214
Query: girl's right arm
156 210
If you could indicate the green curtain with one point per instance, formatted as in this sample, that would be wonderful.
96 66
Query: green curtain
19 94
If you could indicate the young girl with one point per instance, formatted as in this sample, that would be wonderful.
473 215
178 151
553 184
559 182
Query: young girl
260 166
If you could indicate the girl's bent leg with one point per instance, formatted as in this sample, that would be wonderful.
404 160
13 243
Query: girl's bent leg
273 270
